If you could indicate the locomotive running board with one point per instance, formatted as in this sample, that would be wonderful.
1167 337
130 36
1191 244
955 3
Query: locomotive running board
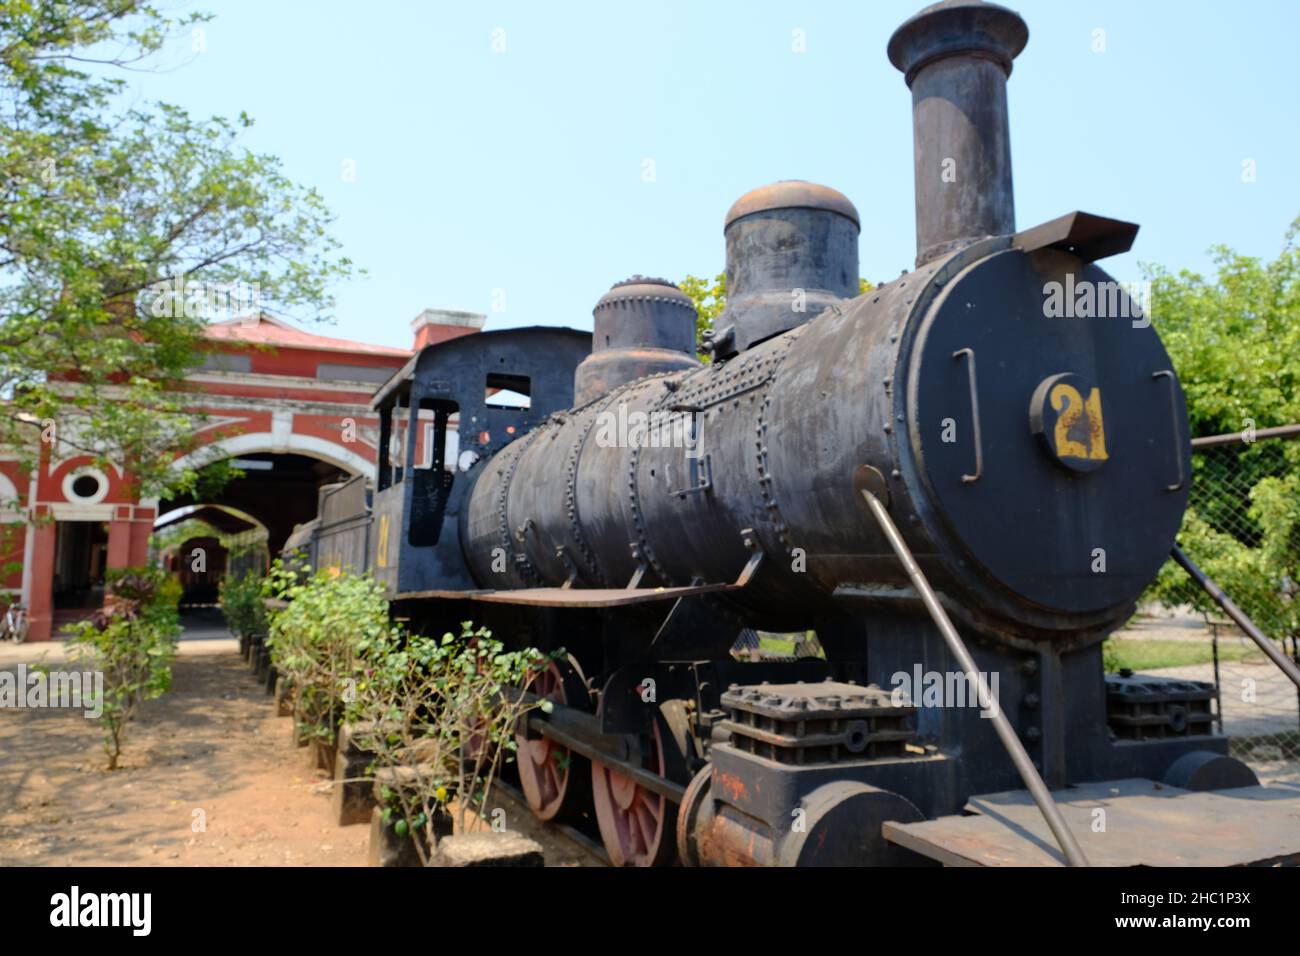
589 597
1160 826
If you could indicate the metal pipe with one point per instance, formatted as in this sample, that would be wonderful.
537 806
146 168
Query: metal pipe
1015 749
1238 616
1218 683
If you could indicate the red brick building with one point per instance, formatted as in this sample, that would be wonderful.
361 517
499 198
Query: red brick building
290 406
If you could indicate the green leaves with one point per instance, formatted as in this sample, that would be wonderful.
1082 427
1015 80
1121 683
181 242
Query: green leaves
710 298
101 205
133 643
1235 341
331 620
242 604
439 712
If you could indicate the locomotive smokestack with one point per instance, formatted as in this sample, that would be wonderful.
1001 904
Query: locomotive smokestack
792 250
956 57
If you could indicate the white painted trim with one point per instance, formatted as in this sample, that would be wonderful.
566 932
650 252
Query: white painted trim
281 429
29 551
251 404
264 380
266 443
76 512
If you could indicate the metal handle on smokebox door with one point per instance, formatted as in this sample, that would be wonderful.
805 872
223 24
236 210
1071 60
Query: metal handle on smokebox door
974 414
1015 749
1173 407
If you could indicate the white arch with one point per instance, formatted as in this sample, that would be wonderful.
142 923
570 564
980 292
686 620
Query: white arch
194 509
280 444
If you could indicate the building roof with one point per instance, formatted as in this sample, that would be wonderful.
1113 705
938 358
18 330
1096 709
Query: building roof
262 329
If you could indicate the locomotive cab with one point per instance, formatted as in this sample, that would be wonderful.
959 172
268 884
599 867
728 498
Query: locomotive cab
442 417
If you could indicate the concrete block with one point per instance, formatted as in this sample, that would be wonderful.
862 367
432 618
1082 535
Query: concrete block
488 849
386 848
354 791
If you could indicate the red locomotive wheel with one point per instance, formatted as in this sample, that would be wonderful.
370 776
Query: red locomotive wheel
553 778
637 826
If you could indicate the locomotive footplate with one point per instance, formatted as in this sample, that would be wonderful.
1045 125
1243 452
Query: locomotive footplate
799 775
1119 823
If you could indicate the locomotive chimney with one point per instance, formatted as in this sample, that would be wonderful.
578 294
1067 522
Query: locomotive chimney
956 57
643 327
792 250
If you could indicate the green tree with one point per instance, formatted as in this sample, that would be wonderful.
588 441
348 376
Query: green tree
1235 341
710 298
121 227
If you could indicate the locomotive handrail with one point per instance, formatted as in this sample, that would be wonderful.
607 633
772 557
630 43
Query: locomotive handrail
974 414
1015 749
1238 616
1173 404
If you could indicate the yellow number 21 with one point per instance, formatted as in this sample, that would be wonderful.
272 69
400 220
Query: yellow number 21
1067 400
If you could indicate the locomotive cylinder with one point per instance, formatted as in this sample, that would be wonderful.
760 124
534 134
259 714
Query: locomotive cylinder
956 58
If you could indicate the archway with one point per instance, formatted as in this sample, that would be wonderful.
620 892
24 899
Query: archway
279 491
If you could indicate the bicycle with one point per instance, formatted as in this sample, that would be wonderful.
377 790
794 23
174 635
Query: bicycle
14 624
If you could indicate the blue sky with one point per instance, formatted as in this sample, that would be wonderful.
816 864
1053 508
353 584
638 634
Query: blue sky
524 170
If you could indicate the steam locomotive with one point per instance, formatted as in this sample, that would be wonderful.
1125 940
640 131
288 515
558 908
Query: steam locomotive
640 509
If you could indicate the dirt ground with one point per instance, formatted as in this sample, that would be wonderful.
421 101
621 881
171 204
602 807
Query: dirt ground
211 744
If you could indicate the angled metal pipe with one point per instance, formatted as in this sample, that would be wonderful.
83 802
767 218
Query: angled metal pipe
1006 733
1238 616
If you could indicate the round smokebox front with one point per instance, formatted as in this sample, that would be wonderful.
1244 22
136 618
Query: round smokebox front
1048 429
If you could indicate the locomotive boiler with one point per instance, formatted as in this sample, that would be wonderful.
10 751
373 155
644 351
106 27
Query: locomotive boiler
951 479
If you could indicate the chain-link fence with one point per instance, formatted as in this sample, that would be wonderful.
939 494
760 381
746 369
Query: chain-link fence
1243 529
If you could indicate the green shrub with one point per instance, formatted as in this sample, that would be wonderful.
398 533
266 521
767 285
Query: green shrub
314 640
441 713
132 642
242 604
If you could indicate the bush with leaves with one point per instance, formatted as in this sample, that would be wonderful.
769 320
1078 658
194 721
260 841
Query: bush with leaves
440 714
125 226
1235 341
242 604
314 640
132 642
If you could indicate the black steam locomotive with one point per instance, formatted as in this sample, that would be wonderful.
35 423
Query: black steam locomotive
955 488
